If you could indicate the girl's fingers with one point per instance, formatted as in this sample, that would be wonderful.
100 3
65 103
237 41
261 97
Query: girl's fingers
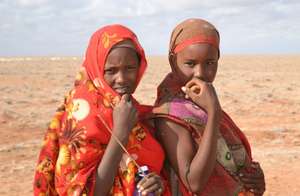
150 183
194 81
159 191
254 184
256 166
250 186
151 189
257 191
254 176
190 84
195 89
257 181
144 180
184 91
257 173
192 92
125 98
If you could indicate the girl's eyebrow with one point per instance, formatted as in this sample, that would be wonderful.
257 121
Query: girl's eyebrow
192 60
132 64
109 66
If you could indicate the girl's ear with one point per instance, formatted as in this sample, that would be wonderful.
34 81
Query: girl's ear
172 61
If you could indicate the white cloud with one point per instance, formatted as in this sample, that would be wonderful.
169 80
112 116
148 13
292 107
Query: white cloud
61 27
31 3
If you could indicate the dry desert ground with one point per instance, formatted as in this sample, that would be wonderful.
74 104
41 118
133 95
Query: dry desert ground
260 92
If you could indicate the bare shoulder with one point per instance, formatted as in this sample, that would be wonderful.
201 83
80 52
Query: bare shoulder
171 134
169 127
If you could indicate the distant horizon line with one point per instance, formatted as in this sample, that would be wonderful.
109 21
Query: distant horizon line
151 55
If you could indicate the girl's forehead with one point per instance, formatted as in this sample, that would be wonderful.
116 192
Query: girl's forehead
125 44
198 50
122 55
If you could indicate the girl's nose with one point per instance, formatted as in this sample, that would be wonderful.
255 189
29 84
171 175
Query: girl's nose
120 77
199 72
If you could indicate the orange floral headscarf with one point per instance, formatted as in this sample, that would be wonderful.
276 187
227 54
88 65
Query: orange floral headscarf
76 138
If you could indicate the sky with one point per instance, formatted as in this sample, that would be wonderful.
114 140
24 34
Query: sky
63 28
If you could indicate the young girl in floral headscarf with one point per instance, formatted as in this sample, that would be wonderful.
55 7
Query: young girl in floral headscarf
208 152
80 156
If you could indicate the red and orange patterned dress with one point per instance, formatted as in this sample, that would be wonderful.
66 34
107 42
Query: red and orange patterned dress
76 138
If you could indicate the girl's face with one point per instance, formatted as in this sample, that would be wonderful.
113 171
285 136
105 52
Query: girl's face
121 70
197 60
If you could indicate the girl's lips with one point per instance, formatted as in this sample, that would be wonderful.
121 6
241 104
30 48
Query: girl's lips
122 90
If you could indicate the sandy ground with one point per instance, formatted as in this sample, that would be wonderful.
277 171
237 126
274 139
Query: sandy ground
261 93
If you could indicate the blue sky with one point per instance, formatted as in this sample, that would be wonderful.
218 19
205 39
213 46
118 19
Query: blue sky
63 28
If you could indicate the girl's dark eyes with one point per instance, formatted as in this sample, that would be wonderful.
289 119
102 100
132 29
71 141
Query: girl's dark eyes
192 64
109 71
210 63
189 63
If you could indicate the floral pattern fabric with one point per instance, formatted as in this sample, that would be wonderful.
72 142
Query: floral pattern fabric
76 138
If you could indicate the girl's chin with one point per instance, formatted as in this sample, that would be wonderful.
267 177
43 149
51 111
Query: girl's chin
121 93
